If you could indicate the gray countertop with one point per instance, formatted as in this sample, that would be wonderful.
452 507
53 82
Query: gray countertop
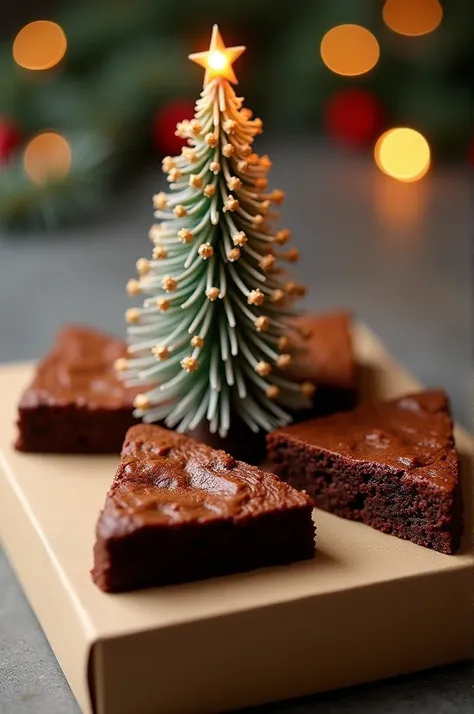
397 254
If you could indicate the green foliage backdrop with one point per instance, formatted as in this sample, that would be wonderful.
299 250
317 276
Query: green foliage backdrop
126 61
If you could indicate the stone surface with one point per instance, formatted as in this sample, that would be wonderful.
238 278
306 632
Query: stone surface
397 254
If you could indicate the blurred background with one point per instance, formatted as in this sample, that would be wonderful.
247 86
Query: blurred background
366 118
92 90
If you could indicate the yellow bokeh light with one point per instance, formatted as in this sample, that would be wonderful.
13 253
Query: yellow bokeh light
39 45
413 18
47 157
403 153
217 60
349 50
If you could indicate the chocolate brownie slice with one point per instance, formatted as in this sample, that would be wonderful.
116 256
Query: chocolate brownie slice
392 465
76 403
329 363
179 510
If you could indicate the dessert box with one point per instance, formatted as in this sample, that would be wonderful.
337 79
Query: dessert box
368 606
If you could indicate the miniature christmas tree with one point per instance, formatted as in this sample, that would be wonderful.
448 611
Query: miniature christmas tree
214 336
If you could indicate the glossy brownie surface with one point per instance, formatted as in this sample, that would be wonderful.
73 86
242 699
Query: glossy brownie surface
165 477
79 370
76 403
413 434
186 511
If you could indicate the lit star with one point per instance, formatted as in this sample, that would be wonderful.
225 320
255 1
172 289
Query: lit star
218 59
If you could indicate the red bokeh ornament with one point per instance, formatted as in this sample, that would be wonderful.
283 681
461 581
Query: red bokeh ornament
353 116
164 125
10 139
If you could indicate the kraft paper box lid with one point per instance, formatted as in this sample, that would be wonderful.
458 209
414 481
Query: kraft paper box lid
369 605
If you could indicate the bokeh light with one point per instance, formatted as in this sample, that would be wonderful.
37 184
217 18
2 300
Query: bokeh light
403 153
39 45
412 17
47 157
349 50
353 116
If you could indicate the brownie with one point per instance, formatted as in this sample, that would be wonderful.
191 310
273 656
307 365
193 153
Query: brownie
329 363
179 510
390 464
76 403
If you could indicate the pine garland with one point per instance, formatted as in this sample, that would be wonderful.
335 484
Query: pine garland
215 336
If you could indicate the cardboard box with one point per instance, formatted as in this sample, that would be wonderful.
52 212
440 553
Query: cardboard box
369 606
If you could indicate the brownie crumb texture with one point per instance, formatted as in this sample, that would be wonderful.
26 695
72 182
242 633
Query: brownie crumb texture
392 465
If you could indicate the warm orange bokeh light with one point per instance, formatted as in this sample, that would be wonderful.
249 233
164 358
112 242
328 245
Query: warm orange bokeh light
412 17
349 50
39 45
47 157
403 153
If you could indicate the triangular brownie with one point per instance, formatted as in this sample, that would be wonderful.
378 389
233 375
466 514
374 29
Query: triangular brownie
391 464
179 510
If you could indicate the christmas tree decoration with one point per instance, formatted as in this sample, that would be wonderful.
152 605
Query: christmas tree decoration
208 339
353 116
10 139
403 153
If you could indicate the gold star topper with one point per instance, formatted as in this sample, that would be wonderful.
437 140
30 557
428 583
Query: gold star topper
218 59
